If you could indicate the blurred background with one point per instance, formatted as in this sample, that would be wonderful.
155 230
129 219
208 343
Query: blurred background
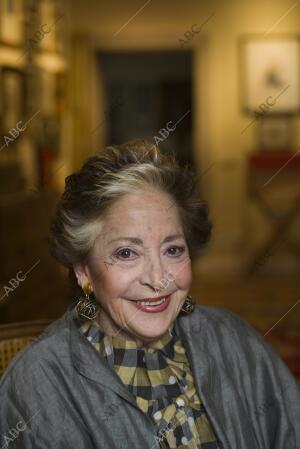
215 82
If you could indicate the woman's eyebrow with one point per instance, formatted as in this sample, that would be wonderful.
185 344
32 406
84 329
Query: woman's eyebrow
138 241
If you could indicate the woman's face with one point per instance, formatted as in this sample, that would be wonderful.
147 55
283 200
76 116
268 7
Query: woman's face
140 254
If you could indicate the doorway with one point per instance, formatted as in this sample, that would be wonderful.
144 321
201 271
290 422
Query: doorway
148 93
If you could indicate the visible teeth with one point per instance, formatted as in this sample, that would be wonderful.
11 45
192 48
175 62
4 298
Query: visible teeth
152 303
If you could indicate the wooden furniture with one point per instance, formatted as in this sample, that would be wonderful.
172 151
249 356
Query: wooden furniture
15 336
273 185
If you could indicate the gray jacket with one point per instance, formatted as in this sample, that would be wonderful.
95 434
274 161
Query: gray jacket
59 393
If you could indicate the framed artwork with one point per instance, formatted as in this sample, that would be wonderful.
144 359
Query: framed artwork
270 75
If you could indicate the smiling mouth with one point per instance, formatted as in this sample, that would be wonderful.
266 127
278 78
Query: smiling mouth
152 301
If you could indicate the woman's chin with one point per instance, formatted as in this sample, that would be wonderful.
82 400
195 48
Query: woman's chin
144 339
150 329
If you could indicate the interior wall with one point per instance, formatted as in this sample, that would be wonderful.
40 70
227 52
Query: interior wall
221 149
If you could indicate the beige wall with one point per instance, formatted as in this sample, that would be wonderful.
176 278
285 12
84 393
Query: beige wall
218 119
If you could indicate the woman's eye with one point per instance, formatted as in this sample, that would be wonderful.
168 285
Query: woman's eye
179 249
123 253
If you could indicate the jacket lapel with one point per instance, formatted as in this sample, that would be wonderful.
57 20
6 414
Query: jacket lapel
203 368
215 387
90 363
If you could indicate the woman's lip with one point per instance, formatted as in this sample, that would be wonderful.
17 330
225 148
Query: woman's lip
157 298
153 309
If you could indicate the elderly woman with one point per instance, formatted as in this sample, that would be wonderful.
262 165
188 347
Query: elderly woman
134 364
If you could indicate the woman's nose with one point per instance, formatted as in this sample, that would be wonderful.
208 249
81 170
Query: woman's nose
153 273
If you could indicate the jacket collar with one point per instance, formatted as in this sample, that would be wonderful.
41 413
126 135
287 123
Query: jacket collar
93 366
197 335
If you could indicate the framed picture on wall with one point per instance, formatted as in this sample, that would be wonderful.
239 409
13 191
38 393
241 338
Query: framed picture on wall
270 75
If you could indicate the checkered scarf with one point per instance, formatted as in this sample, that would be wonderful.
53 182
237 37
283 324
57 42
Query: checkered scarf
161 381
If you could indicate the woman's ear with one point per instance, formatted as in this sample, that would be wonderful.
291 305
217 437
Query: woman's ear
81 274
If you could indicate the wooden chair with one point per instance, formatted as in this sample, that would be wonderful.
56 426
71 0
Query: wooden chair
277 199
15 336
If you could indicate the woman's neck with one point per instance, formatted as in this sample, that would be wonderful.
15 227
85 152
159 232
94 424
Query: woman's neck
111 329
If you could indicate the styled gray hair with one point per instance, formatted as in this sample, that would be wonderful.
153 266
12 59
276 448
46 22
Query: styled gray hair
106 176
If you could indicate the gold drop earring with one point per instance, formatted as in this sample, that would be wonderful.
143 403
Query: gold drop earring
87 308
188 305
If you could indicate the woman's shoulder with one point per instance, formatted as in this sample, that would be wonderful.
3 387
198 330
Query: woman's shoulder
216 330
217 319
50 345
213 312
223 327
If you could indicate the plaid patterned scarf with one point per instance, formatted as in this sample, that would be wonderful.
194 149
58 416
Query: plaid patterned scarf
161 380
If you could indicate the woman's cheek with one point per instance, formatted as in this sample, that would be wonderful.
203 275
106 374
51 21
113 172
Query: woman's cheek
183 276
